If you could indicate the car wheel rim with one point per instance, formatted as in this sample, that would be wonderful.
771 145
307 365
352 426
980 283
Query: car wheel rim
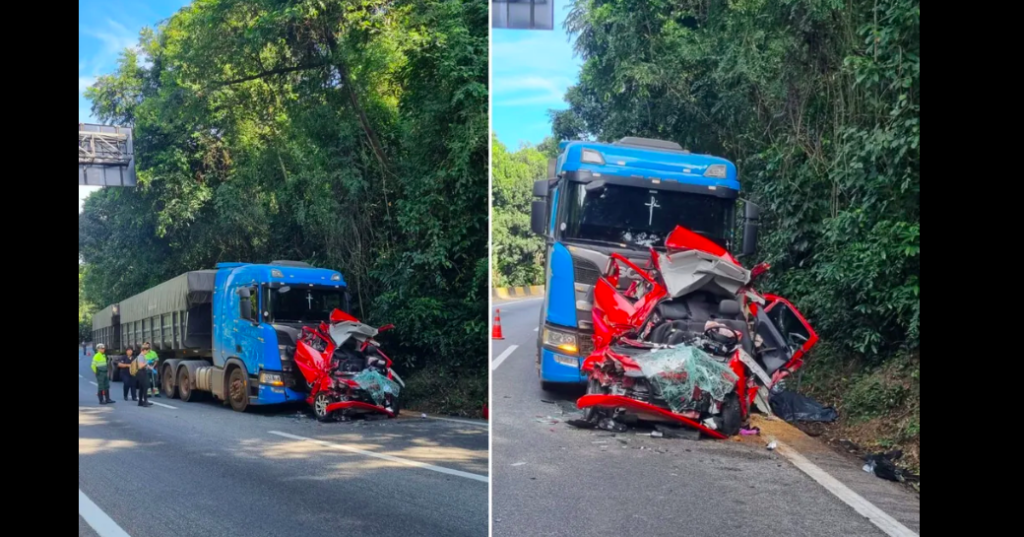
321 406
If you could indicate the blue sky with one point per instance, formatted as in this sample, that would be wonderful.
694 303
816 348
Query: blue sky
530 71
105 28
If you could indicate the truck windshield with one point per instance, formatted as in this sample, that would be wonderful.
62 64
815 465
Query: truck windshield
644 217
304 304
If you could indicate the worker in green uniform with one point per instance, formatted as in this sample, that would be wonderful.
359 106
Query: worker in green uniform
152 358
99 368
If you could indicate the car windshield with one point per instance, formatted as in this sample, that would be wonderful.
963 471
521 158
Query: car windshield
304 304
644 217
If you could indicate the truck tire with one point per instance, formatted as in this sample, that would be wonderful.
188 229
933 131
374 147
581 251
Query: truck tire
185 390
238 390
167 385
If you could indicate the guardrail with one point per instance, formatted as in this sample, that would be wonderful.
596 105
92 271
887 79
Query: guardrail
507 293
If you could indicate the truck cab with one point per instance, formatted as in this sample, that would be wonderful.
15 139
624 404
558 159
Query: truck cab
623 197
258 314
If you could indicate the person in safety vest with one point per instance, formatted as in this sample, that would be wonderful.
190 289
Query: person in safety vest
152 358
99 368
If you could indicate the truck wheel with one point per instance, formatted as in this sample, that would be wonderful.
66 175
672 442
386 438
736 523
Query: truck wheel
167 383
238 390
185 390
320 403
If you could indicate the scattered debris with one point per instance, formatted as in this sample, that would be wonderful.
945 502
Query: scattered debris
678 432
518 463
750 432
794 407
884 466
772 445
610 424
657 434
547 420
581 424
423 415
848 445
547 401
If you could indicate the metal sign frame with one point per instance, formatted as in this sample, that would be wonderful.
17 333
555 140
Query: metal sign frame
106 155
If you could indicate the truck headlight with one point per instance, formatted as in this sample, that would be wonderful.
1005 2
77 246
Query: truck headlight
271 379
716 171
562 341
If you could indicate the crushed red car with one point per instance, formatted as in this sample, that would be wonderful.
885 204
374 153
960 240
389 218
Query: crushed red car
689 341
346 372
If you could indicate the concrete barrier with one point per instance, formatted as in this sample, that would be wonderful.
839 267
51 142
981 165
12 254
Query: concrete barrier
510 293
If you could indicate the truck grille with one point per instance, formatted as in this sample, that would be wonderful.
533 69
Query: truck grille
585 271
586 345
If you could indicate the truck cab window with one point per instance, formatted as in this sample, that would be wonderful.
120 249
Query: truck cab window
249 303
305 304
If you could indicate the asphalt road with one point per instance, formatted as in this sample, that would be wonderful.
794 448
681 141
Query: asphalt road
200 469
551 479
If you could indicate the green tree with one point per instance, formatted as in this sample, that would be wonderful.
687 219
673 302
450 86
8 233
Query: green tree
518 253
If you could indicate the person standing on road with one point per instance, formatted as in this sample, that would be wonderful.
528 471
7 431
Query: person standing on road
152 359
124 365
99 368
140 370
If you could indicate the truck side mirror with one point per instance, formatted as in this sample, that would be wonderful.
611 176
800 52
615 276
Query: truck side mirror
538 217
751 215
540 188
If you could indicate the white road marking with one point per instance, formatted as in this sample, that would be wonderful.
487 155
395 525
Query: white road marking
535 329
165 406
97 519
93 383
865 508
467 422
80 376
392 458
501 357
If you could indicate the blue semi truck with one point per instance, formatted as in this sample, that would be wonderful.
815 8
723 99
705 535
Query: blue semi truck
229 332
624 197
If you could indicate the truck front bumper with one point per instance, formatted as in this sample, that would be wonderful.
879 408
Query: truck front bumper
560 368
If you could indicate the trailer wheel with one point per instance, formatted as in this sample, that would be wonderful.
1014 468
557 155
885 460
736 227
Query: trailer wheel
320 403
185 390
238 390
167 383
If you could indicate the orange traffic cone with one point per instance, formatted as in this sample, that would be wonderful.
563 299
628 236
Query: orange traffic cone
496 328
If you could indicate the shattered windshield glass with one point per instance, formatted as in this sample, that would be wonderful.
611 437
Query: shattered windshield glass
305 304
644 217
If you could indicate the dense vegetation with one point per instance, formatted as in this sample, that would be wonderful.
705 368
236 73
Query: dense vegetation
517 254
351 134
818 103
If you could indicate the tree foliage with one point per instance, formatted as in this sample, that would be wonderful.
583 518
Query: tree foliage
349 133
818 102
518 254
